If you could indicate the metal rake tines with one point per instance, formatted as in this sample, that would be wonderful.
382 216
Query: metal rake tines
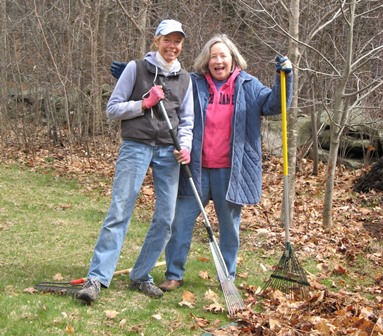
289 269
233 299
288 276
58 288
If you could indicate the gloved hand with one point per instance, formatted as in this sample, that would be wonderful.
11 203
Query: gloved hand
182 156
155 95
116 68
283 64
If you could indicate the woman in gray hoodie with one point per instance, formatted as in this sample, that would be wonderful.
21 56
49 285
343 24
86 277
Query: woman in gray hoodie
146 141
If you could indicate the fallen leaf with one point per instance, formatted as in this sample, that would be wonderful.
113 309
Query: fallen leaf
65 206
188 296
274 323
204 275
243 275
210 295
339 270
69 329
122 323
30 290
157 317
111 314
214 308
186 303
200 321
188 299
58 277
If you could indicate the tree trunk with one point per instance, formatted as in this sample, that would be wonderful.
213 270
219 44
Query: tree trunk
293 111
3 60
95 91
330 175
340 118
314 132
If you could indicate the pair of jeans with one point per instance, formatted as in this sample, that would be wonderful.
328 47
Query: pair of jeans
132 164
214 186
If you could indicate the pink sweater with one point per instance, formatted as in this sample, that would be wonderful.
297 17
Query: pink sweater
217 133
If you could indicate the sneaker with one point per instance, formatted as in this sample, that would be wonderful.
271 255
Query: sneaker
89 291
148 288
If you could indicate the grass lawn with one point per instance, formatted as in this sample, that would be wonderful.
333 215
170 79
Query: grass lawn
48 228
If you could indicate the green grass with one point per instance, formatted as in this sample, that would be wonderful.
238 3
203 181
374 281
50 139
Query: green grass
49 226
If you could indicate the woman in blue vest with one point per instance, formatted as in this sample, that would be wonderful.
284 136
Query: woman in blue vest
146 141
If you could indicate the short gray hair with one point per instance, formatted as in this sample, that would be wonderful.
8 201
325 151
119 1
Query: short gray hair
201 63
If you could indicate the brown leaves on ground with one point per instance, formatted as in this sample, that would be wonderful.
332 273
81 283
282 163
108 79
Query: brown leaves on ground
337 302
322 313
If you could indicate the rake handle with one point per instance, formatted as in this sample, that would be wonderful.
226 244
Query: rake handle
285 158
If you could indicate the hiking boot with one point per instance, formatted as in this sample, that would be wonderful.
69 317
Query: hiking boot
148 288
89 291
169 285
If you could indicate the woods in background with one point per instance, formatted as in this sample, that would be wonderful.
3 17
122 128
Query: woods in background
54 64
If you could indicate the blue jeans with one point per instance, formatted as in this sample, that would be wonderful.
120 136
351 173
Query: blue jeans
214 186
132 164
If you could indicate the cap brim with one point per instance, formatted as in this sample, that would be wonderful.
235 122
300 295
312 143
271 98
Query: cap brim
167 32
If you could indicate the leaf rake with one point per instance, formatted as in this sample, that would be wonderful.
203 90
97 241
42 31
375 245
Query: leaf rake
288 276
72 287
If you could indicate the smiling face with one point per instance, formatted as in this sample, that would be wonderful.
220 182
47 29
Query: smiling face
220 62
169 46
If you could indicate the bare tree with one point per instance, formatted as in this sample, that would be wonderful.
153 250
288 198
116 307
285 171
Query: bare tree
345 74
3 65
56 62
139 21
353 86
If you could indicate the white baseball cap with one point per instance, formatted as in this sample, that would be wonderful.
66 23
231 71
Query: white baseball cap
169 26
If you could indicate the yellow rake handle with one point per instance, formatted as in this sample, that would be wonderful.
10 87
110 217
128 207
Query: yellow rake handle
285 160
284 124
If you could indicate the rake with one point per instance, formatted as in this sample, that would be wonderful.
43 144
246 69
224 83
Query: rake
73 286
288 276
233 299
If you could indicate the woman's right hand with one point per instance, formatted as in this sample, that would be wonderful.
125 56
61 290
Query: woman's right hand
155 95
